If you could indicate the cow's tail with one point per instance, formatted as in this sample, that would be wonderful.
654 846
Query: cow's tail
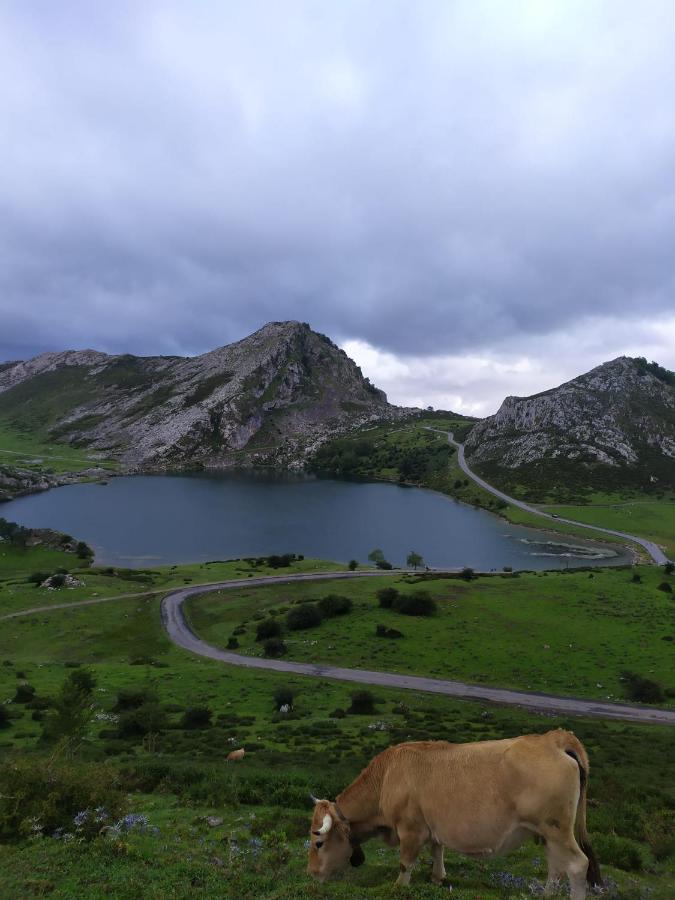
574 748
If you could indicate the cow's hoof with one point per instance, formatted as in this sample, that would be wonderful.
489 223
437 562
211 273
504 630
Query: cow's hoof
441 882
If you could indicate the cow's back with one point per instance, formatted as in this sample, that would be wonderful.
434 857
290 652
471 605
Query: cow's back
470 796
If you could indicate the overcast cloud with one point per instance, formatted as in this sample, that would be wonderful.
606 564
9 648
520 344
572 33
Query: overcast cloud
473 198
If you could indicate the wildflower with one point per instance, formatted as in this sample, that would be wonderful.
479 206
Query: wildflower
81 818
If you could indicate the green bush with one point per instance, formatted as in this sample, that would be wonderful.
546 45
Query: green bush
269 628
24 693
274 647
643 690
283 695
37 577
149 718
621 852
334 605
134 698
41 795
386 597
420 603
664 586
383 631
196 717
308 615
4 717
232 643
363 703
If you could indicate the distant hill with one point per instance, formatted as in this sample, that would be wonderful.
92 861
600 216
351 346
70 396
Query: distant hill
609 429
269 399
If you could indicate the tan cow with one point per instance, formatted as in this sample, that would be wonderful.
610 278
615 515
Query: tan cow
479 799
236 755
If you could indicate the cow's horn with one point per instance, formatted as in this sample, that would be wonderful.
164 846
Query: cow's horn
327 824
314 799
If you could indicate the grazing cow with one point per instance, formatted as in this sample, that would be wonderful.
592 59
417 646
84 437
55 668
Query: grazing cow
236 755
479 799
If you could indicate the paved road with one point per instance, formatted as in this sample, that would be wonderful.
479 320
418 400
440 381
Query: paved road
653 549
180 633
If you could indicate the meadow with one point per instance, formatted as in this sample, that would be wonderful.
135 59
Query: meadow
239 830
568 633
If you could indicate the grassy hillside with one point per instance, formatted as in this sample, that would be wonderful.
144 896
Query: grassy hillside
575 633
255 847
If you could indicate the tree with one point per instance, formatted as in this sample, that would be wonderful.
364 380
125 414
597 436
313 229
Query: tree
352 565
307 615
73 708
414 560
376 556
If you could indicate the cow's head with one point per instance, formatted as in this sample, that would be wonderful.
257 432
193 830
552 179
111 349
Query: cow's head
331 847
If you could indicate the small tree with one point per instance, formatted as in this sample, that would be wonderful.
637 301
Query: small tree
308 615
335 605
420 603
274 647
376 556
352 565
268 628
414 560
363 703
72 709
196 717
386 597
283 696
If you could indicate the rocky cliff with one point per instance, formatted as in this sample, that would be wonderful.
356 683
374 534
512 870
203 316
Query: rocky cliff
614 425
269 399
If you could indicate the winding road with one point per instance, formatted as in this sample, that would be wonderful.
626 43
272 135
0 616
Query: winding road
656 553
180 633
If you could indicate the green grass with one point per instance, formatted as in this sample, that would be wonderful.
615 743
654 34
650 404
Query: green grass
552 632
652 519
26 450
185 776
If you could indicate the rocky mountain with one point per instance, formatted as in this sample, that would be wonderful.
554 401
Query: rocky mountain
269 399
611 427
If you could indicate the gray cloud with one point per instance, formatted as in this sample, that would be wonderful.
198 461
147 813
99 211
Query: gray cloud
445 178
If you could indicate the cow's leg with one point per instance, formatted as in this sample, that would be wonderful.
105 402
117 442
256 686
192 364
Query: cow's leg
566 856
411 842
438 867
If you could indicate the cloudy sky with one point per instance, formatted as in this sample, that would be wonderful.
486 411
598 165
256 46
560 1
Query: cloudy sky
473 198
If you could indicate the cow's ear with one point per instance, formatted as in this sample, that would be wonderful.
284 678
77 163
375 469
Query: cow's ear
357 858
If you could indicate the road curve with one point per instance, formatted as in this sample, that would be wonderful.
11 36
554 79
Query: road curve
181 634
653 549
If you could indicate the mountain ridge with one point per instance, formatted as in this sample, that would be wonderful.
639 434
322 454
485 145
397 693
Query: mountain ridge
273 396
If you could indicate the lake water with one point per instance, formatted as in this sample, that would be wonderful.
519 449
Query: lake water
146 520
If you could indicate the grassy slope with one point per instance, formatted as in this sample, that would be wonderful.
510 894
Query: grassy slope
574 634
628 786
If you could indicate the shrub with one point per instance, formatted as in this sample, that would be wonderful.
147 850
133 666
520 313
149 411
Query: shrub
664 586
334 605
386 597
308 615
352 565
24 693
420 603
232 643
283 696
383 564
659 833
280 562
149 718
621 852
269 628
669 568
467 573
39 796
643 690
383 631
134 698
37 577
196 717
58 580
363 703
72 707
274 647
239 630
83 550
4 717
637 578
338 713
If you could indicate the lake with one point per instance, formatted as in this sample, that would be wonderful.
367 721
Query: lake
146 520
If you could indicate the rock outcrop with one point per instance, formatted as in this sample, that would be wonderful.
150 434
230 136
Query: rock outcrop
618 417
